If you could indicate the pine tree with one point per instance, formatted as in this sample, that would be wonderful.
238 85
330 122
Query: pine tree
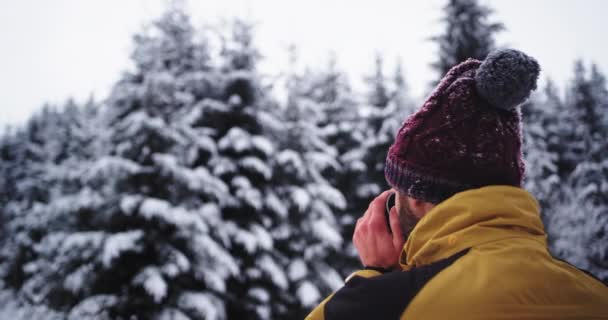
539 118
310 235
34 169
344 128
378 93
589 177
138 235
9 165
599 91
579 223
381 124
579 122
468 34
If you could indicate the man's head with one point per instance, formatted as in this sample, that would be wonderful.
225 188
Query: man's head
467 134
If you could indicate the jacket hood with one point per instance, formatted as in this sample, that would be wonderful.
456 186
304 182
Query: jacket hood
472 218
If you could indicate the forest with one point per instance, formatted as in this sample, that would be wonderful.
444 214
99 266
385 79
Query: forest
201 188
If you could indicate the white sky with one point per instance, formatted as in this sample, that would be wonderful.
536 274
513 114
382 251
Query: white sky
51 50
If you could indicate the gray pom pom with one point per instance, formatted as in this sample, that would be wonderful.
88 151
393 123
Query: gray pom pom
506 78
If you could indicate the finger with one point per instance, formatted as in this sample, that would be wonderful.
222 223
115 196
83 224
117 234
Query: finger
376 211
362 227
380 199
357 227
379 203
398 238
367 213
359 221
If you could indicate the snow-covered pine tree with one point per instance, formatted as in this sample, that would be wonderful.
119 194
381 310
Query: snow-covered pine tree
342 125
378 95
10 165
142 234
577 121
579 224
239 118
262 203
400 94
28 153
380 123
309 235
599 91
539 119
468 33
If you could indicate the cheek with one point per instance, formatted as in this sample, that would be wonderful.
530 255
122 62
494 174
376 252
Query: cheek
400 204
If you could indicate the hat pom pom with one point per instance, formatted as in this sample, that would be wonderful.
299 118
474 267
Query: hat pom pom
506 78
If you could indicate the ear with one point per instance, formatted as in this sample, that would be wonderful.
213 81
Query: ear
419 207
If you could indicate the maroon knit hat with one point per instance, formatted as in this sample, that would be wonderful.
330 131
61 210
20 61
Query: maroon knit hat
468 132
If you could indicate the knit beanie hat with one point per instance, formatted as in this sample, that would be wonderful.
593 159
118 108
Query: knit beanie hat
468 132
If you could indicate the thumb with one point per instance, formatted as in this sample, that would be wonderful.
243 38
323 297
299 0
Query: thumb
398 238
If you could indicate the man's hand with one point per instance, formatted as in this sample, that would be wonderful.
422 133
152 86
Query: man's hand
378 247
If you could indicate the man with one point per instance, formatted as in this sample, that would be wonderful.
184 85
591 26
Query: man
476 247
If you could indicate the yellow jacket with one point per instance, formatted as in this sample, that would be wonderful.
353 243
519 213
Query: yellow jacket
481 254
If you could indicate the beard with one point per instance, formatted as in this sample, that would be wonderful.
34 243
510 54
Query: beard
407 218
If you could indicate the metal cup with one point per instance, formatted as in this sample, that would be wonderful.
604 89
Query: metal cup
390 203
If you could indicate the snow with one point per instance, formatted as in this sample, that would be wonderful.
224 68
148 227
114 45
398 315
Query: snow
94 307
246 239
276 205
201 305
263 311
202 179
322 160
297 270
367 190
289 156
177 263
214 281
154 284
301 198
171 314
214 257
129 204
269 121
206 143
256 165
331 277
251 196
263 144
240 182
308 294
260 294
236 139
13 309
117 244
329 194
322 211
264 239
222 166
271 269
157 209
327 233
77 281
111 166
199 179
252 240
80 240
139 121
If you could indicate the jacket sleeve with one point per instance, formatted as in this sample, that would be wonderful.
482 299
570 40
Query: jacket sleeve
318 313
370 294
